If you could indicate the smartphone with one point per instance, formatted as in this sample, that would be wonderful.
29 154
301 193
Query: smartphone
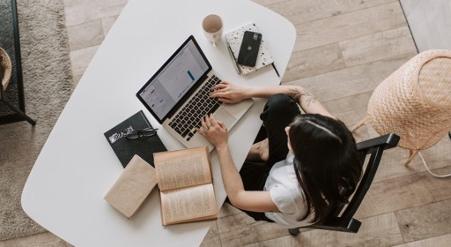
249 48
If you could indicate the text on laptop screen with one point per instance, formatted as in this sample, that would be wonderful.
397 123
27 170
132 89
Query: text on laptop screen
174 80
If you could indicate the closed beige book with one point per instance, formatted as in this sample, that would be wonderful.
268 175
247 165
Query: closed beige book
132 187
186 188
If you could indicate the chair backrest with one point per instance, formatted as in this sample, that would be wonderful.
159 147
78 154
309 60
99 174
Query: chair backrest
342 217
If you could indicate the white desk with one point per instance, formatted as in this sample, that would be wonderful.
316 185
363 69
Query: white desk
64 192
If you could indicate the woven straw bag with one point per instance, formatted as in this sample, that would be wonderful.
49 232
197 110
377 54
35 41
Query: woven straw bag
6 66
415 103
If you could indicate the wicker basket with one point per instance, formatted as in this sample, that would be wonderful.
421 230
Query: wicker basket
6 66
415 101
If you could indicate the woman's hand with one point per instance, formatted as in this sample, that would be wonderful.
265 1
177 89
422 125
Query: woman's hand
230 93
214 131
295 92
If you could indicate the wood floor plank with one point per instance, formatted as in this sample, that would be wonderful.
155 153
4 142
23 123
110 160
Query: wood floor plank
45 239
314 61
266 231
440 241
81 58
430 23
440 188
262 230
107 23
392 163
309 10
211 242
286 241
236 230
268 2
349 81
240 229
79 12
381 230
212 237
349 109
85 35
395 194
227 210
349 26
425 221
378 46
111 9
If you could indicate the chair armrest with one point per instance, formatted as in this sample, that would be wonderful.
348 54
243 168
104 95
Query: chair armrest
386 142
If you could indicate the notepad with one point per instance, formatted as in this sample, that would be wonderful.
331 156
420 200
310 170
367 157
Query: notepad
125 149
233 42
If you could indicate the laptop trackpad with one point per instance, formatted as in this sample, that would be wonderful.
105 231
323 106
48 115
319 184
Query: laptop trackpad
224 116
238 110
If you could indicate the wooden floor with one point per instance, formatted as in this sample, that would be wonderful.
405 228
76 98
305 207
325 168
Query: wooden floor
344 49
430 22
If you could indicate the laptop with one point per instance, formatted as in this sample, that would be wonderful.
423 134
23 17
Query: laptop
177 95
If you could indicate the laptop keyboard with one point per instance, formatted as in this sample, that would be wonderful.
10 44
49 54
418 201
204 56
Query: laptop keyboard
188 119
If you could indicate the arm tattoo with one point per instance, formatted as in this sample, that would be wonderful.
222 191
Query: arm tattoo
307 98
294 93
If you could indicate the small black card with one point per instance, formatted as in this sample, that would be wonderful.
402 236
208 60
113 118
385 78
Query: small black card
125 149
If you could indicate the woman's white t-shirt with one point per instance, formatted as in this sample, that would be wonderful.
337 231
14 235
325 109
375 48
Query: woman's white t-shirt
288 195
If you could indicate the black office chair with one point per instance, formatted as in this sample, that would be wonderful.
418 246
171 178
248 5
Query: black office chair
342 217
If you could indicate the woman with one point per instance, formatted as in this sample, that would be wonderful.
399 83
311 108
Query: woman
311 161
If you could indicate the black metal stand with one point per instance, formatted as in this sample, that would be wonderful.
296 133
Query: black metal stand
21 115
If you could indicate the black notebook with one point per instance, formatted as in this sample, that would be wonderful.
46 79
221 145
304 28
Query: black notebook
125 149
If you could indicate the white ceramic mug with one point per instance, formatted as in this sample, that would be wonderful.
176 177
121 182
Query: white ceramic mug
212 26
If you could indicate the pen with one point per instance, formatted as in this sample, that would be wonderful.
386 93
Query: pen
277 72
235 65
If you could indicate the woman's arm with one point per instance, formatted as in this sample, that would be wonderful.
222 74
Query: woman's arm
256 201
232 93
309 104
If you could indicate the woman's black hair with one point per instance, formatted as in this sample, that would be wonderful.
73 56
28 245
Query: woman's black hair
326 160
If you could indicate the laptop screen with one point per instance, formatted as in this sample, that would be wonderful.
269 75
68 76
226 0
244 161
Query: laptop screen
179 74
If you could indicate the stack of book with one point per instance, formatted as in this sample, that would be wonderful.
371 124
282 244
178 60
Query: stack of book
183 178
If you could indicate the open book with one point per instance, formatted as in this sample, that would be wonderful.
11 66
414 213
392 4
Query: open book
186 186
184 179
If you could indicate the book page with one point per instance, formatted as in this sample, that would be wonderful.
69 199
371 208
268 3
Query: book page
182 168
188 204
